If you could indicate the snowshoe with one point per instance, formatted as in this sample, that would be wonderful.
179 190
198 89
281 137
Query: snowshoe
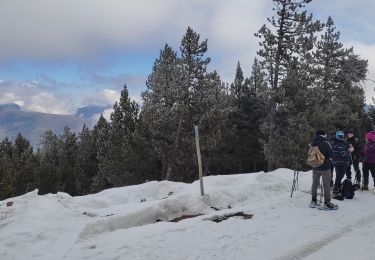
328 206
314 204
356 186
338 196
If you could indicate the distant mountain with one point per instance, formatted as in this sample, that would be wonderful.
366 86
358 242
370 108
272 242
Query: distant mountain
89 112
14 119
368 107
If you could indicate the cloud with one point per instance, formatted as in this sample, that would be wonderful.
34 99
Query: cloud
106 114
85 30
112 87
35 97
47 30
106 97
114 82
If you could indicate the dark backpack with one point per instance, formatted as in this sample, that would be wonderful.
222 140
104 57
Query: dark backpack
340 153
347 189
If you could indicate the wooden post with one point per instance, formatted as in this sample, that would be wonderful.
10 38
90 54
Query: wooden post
199 158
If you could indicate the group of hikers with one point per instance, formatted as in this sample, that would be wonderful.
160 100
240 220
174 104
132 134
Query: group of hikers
339 152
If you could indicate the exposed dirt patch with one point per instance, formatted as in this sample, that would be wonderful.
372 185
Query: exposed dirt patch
184 217
220 218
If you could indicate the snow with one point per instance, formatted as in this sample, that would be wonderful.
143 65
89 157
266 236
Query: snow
134 222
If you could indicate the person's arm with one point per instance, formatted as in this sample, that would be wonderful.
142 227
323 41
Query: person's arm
329 149
350 148
363 154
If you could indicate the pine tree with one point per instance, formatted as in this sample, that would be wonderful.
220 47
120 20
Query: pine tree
48 176
338 74
86 163
101 133
24 166
211 114
118 163
244 120
194 66
291 35
162 109
67 155
6 169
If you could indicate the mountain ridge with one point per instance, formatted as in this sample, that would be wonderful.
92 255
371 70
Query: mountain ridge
14 119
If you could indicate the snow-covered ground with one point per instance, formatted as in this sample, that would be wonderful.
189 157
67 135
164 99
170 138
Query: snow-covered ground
133 222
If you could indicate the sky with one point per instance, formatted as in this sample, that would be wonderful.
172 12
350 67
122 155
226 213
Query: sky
57 56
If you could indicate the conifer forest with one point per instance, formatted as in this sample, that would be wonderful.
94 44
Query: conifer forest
302 79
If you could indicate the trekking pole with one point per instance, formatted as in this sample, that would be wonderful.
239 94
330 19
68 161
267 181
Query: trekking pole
298 167
295 180
293 184
363 177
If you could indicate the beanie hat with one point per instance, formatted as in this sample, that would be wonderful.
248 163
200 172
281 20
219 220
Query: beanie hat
370 136
350 131
340 135
320 132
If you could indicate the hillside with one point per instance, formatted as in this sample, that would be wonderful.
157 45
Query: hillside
14 119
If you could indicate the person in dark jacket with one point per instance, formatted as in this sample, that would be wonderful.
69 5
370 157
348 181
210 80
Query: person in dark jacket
368 159
355 157
340 158
323 171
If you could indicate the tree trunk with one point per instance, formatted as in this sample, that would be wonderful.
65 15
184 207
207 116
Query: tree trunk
174 151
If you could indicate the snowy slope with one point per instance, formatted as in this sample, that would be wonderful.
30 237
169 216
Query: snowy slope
132 222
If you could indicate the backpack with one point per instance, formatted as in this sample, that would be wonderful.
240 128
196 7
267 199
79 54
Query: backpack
347 189
314 157
340 153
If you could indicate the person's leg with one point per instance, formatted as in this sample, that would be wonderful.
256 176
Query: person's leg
349 171
357 170
332 167
372 170
340 172
365 170
326 177
314 185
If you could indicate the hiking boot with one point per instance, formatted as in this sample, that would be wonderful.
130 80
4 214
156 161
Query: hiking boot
364 187
338 196
356 186
329 206
313 203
